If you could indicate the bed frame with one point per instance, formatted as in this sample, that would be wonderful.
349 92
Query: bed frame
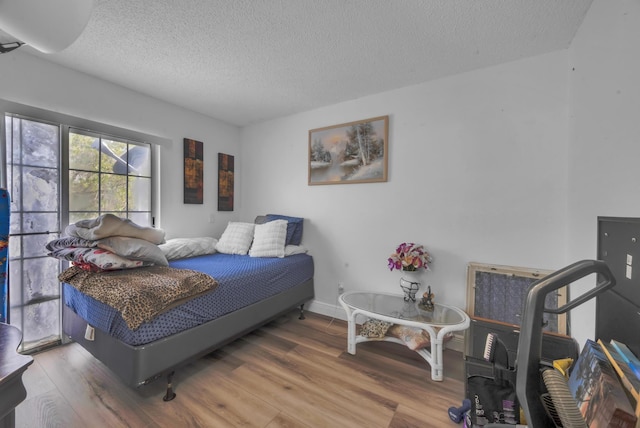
139 365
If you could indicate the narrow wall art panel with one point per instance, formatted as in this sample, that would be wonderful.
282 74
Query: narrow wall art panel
193 175
225 182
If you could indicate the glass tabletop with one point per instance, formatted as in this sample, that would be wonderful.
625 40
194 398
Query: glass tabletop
395 306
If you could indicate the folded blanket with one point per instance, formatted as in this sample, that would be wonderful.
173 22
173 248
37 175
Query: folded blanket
118 252
70 242
140 294
96 259
108 225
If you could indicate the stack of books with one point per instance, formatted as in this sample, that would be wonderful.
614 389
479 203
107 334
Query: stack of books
605 385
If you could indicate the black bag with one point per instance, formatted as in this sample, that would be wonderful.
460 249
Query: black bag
492 401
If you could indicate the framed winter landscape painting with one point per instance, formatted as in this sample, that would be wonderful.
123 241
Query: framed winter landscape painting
354 152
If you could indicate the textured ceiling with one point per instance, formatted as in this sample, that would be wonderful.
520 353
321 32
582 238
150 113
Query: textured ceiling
245 61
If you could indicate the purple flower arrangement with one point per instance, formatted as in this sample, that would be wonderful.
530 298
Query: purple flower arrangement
409 257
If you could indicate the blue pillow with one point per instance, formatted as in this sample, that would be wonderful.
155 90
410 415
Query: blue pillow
294 228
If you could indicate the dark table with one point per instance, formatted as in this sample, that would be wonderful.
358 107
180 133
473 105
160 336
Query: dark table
12 365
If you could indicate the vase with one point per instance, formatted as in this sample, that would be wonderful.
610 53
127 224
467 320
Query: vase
410 284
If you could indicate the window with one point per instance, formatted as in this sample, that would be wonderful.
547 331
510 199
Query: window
109 175
33 158
57 175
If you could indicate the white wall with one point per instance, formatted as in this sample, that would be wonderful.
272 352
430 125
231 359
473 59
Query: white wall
477 172
29 80
604 166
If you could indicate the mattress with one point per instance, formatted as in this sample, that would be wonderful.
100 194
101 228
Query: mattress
243 280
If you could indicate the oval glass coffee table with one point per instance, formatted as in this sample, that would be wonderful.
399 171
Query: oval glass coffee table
392 308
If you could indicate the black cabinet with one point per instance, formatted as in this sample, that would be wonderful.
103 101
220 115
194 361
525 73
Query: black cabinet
554 346
12 366
617 318
618 309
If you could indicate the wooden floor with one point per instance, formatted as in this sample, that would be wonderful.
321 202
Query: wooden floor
290 373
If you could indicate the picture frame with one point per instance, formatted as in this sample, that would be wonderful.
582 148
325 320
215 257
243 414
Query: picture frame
496 293
348 153
193 171
225 182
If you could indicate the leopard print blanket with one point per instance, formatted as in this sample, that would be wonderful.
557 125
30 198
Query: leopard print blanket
140 294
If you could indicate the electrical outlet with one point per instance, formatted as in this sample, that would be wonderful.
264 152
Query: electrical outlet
340 288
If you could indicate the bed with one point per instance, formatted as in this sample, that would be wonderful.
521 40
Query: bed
251 291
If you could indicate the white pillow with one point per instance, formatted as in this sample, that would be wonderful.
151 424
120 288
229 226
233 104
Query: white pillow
236 238
268 239
181 248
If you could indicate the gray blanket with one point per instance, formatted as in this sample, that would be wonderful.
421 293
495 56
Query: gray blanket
110 225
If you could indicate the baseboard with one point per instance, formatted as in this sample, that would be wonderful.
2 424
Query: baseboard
336 311
326 309
457 343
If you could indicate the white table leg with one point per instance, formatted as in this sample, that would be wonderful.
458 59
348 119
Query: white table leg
351 333
437 366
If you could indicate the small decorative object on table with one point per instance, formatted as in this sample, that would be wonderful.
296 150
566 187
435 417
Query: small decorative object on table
410 258
427 300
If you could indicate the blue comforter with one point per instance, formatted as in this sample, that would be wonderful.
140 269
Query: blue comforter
243 280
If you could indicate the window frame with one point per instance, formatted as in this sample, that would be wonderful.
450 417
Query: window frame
86 125
101 173
67 124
